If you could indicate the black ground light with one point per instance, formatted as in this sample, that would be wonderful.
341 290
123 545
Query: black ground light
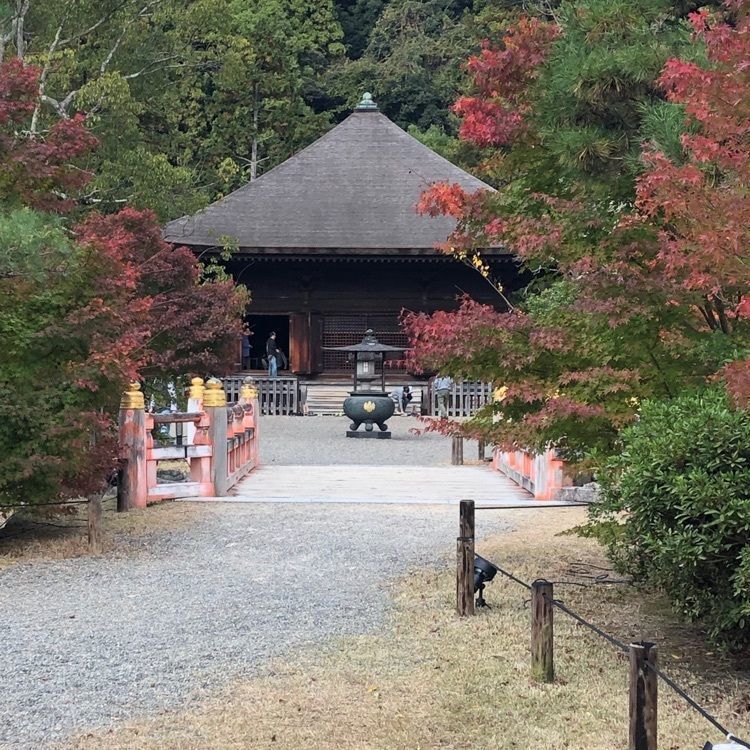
484 572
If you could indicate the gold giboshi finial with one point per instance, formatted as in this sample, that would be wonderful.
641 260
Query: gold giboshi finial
196 388
132 397
248 390
214 394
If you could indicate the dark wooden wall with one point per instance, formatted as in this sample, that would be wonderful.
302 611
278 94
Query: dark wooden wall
311 292
286 286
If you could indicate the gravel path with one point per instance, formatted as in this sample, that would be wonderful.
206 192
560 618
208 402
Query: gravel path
90 641
322 441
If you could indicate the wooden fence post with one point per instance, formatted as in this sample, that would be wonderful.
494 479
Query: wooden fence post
465 559
95 524
542 632
132 485
643 696
215 405
457 450
480 449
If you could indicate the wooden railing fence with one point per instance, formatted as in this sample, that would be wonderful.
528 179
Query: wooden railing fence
542 474
643 668
465 399
281 396
276 396
218 442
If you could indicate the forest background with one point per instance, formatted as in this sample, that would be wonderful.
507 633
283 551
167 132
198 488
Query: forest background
191 98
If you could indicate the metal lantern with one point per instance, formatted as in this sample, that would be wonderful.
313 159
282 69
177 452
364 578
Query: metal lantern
364 367
366 405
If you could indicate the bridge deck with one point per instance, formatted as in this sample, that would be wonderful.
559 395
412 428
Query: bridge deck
379 484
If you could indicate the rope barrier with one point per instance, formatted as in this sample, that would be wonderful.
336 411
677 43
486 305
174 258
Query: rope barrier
513 578
57 525
702 711
549 506
617 644
624 648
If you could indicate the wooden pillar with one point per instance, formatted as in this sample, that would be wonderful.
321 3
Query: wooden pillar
95 524
300 353
215 406
465 559
542 638
132 485
480 449
643 696
194 404
457 450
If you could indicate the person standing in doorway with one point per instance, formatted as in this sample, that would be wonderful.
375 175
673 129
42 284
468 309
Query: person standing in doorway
442 386
272 353
246 334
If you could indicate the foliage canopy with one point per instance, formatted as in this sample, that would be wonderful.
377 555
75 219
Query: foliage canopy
85 306
623 187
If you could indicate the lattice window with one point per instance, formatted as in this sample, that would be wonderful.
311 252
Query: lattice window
344 330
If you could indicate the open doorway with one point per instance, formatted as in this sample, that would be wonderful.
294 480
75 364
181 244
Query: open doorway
261 327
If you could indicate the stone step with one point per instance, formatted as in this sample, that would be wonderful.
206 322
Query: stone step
329 399
325 399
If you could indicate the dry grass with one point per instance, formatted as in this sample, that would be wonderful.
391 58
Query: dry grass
49 535
435 681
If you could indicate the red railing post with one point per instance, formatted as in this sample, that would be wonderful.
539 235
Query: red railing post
215 406
200 467
194 404
132 487
151 462
251 405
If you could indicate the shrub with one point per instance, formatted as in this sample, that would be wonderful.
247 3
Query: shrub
680 490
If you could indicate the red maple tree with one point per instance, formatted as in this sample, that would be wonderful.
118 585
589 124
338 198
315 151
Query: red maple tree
150 312
37 171
102 302
701 205
648 301
502 76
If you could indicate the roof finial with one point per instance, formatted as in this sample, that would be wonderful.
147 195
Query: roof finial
367 104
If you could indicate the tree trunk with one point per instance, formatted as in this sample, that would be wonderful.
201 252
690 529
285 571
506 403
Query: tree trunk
254 144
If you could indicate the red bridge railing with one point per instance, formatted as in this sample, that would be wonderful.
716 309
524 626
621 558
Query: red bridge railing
219 442
542 474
